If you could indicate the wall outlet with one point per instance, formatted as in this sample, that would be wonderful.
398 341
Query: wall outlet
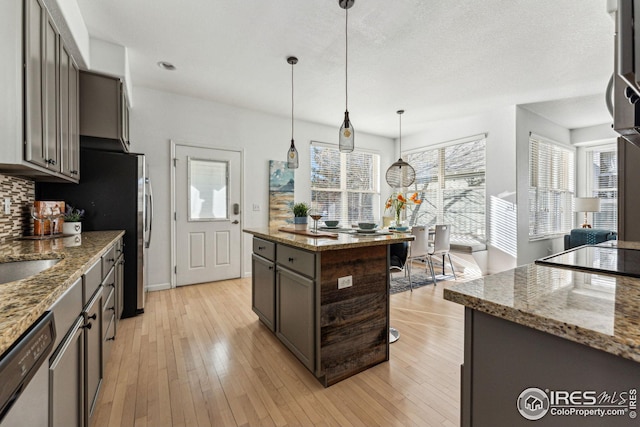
256 207
345 282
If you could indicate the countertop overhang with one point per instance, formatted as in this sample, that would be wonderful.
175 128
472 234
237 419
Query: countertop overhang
319 244
601 311
22 302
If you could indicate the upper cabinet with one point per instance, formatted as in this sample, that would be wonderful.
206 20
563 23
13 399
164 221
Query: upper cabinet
40 129
104 112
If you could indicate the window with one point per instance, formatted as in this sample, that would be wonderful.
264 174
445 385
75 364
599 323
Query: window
602 182
551 188
345 186
450 181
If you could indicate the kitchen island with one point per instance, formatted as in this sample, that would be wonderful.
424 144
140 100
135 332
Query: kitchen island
325 298
549 343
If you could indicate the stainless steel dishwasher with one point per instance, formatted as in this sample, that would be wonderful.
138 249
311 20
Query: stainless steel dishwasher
24 376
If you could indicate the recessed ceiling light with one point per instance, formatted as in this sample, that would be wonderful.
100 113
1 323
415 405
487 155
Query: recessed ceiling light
166 65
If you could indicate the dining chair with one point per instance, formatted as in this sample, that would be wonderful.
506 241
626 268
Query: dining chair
441 246
419 249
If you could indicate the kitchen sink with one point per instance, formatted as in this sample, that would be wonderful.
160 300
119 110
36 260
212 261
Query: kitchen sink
17 270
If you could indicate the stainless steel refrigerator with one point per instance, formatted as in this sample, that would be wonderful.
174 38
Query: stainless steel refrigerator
115 192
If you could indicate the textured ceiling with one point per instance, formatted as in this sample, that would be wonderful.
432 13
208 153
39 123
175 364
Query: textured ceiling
435 59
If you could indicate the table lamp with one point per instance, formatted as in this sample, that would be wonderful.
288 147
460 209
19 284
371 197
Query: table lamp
586 204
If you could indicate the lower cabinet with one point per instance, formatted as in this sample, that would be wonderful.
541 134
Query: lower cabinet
263 287
295 314
93 350
66 380
119 290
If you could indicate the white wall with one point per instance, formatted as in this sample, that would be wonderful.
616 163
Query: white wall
159 117
526 123
499 125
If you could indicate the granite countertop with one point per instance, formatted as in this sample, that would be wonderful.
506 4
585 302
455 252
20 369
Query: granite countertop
601 311
318 244
22 302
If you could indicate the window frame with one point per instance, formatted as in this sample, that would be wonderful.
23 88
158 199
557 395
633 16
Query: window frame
589 180
442 177
564 195
343 190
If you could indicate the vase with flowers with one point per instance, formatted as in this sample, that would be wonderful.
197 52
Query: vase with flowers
397 203
72 218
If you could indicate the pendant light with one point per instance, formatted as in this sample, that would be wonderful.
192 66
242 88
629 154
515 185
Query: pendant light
345 142
400 174
292 155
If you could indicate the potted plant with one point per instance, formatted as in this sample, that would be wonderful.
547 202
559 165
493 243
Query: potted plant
300 212
72 218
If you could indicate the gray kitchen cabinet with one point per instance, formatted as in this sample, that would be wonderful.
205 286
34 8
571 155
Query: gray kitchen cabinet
119 285
263 282
39 127
295 314
104 112
295 302
34 71
263 286
66 365
93 353
283 295
69 136
66 379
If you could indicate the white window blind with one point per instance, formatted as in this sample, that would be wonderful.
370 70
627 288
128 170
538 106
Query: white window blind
551 188
450 181
602 182
345 186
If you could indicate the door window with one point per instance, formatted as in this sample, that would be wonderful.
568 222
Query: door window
208 185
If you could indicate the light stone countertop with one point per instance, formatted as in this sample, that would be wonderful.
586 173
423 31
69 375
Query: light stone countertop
601 311
318 244
22 302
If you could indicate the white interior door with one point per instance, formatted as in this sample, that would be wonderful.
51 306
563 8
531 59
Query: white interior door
207 200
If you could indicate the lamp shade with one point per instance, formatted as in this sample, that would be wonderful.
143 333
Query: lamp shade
586 204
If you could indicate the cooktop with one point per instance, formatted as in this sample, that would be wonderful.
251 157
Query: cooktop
597 259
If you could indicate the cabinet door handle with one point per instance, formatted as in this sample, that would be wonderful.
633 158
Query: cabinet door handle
111 339
88 326
94 316
271 267
291 259
261 248
112 308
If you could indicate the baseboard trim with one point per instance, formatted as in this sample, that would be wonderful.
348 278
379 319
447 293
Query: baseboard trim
158 287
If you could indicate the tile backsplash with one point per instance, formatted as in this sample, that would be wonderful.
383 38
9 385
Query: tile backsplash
21 191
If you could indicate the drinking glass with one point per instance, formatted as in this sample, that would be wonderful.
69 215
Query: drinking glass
36 214
315 214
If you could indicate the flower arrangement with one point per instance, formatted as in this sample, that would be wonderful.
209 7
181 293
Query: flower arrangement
396 203
72 214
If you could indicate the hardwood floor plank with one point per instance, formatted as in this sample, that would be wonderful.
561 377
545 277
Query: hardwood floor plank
198 356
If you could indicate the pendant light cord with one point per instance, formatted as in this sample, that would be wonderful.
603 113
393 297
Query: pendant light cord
292 101
400 135
346 60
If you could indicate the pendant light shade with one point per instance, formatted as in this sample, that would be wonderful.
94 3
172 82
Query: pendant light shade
346 139
400 174
292 155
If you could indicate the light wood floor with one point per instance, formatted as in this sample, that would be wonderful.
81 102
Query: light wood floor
200 357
